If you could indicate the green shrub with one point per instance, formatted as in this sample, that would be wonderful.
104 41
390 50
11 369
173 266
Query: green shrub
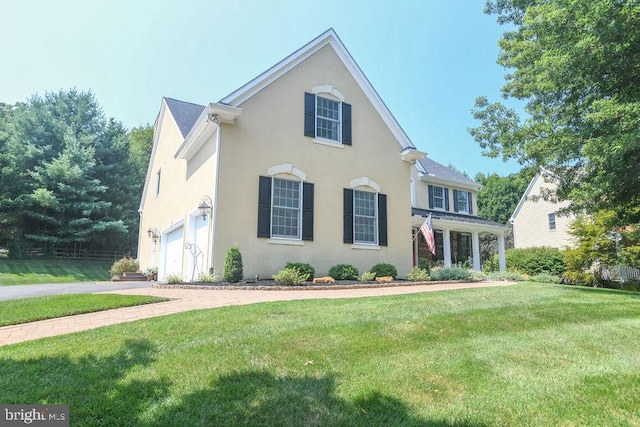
303 268
383 270
491 264
533 261
344 272
424 264
173 279
478 275
206 278
450 273
418 274
290 277
545 278
507 276
579 278
367 276
232 271
124 265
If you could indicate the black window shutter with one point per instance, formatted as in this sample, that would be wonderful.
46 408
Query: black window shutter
446 199
382 219
470 201
455 200
346 123
264 207
309 114
307 211
431 197
347 235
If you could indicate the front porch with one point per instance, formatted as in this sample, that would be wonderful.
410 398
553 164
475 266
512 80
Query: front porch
457 238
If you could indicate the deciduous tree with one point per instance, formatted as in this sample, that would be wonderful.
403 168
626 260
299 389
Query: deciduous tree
576 65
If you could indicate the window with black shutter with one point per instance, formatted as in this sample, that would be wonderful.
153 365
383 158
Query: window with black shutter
327 119
285 208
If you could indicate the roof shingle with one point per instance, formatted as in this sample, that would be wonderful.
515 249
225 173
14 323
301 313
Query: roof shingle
184 113
443 172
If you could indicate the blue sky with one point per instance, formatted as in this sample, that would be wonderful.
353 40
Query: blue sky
427 59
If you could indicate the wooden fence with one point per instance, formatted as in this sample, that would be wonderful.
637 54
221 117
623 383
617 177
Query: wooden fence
83 254
619 274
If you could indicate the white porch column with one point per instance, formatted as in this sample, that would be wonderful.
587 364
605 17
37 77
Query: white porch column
415 247
501 258
446 244
475 244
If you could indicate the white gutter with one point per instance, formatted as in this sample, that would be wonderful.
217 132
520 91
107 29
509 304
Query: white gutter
214 208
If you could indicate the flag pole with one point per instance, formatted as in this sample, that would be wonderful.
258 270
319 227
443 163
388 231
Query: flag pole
418 232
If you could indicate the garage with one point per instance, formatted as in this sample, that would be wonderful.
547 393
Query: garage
174 253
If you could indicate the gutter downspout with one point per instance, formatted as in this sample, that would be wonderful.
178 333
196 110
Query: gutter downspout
215 119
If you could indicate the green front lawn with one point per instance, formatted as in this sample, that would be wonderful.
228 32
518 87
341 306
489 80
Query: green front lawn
38 271
529 354
25 310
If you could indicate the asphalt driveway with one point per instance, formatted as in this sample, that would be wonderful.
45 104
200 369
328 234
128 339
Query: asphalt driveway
26 291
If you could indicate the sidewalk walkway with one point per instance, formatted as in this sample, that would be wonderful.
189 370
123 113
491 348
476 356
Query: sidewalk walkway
194 299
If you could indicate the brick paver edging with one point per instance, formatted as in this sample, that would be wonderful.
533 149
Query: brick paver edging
302 287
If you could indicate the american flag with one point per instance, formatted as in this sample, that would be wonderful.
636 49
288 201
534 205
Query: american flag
427 232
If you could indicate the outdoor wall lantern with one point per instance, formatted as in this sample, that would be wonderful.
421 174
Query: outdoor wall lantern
153 234
205 207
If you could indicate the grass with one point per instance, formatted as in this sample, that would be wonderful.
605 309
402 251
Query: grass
529 354
37 271
25 310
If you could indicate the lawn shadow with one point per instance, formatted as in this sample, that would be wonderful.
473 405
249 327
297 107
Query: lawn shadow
95 388
262 399
589 289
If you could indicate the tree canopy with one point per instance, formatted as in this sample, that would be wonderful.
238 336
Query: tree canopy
67 175
499 195
576 64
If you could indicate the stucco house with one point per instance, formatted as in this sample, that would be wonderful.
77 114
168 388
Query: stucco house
536 221
304 163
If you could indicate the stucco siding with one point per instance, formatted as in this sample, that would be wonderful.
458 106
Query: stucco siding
269 132
182 185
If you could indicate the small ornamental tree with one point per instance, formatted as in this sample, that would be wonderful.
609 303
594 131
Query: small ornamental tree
232 265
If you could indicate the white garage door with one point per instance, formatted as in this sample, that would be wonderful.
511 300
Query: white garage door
174 253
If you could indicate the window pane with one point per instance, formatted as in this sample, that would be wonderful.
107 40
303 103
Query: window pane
463 205
327 119
438 197
285 213
365 220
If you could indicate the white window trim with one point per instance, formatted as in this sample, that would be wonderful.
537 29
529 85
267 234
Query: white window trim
158 177
328 143
284 241
328 89
288 238
364 246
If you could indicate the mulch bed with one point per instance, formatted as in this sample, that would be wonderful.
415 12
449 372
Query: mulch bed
271 285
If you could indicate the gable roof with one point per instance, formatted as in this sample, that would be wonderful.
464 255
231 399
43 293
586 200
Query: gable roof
187 114
331 39
184 113
434 169
544 173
